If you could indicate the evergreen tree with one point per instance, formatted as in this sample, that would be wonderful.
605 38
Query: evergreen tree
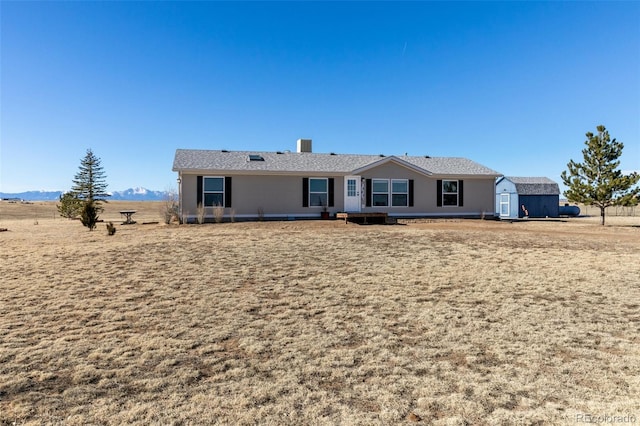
90 187
89 215
598 181
70 205
89 183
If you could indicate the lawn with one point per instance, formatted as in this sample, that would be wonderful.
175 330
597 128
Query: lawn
318 322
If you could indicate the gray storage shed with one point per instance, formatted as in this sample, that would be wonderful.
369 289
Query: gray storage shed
518 197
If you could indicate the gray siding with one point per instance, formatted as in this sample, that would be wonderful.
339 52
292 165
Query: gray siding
281 195
540 205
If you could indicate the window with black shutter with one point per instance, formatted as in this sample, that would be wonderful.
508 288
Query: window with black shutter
305 192
227 191
410 192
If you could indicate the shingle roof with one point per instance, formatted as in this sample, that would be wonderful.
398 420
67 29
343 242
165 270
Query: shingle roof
534 185
293 162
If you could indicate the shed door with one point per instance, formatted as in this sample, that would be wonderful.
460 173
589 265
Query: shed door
504 204
352 201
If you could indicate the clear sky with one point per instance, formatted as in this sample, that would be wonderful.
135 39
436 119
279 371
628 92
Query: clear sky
511 85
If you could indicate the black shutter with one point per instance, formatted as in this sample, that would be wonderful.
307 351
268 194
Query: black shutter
199 194
460 193
439 192
369 189
227 191
331 191
305 192
410 192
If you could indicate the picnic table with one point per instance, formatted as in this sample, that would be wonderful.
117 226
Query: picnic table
128 216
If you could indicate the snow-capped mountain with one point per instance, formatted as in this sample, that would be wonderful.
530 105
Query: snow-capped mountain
138 194
131 194
32 195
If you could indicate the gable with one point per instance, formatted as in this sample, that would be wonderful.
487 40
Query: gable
390 167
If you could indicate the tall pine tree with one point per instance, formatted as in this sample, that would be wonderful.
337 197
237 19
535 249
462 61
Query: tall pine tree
89 186
597 181
89 183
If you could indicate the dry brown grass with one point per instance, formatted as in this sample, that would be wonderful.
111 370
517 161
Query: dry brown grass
443 322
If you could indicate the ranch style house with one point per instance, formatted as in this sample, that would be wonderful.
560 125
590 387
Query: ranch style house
302 184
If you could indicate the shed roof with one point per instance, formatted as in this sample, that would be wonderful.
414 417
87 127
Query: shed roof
306 162
534 185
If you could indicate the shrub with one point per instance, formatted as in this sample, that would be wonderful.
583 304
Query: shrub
110 228
171 208
200 213
218 213
70 205
89 215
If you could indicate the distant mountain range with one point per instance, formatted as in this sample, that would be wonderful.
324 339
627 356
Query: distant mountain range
131 194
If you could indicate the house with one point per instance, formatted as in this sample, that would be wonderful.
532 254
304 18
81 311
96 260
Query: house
302 184
518 197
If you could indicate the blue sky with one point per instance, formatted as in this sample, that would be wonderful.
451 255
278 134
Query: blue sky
511 85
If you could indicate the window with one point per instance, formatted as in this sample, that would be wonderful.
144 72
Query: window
213 189
255 157
380 192
390 192
318 192
399 192
351 188
450 193
504 204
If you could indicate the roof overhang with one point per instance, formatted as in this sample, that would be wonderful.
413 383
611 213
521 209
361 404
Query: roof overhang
231 172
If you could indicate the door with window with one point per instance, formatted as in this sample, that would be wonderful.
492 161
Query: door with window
505 203
352 200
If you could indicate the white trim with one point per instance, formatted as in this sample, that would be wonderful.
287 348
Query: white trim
180 204
224 195
374 193
358 193
326 179
390 192
402 193
457 193
507 203
443 215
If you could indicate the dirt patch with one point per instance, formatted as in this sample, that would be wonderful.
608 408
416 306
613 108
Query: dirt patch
473 322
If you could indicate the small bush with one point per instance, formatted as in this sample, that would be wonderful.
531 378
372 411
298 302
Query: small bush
171 208
218 213
200 213
89 215
70 205
110 228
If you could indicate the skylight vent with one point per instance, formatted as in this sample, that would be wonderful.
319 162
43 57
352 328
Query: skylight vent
255 157
224 150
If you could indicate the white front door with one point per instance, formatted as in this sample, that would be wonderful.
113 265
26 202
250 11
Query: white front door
352 190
